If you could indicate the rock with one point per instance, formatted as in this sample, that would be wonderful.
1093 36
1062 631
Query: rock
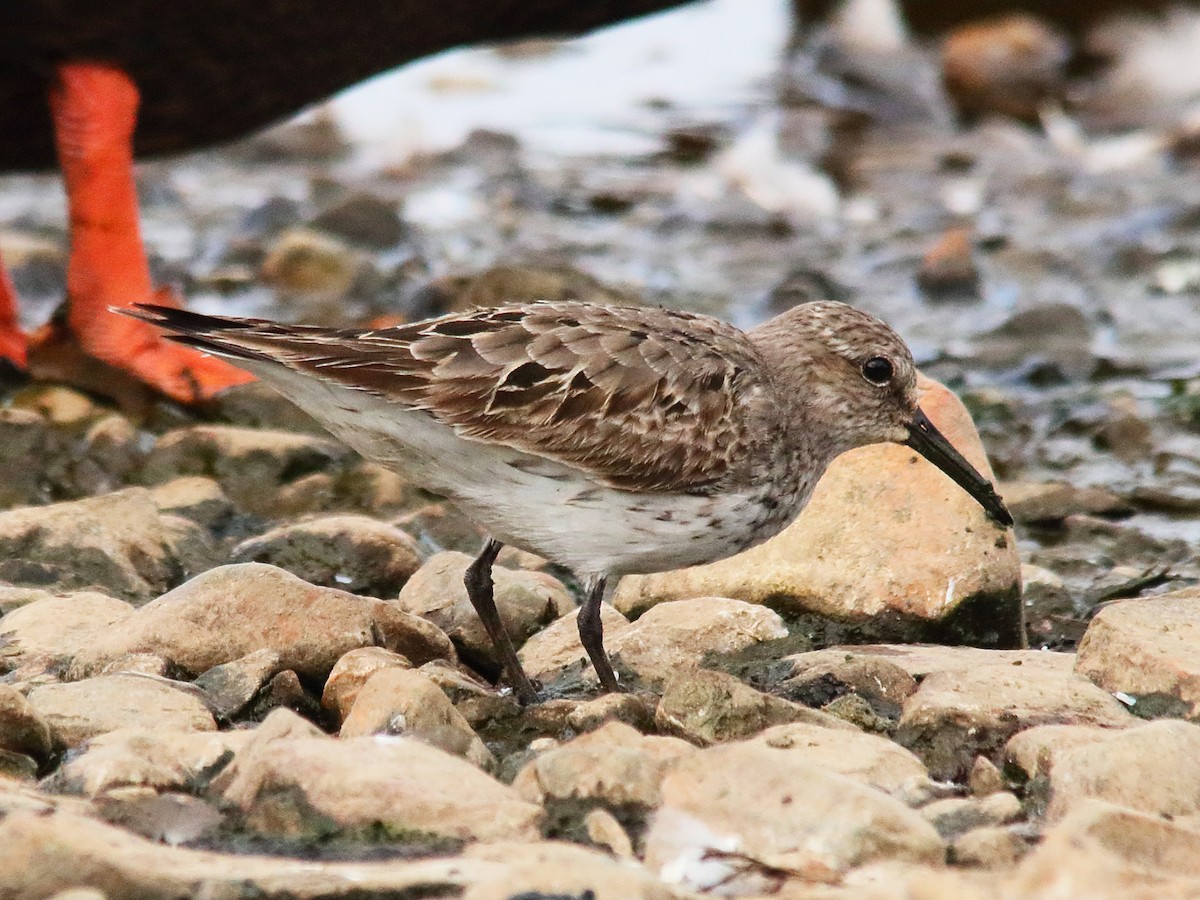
923 660
759 806
557 648
139 664
867 758
353 553
51 851
315 786
613 767
284 691
363 219
956 715
603 830
108 456
62 406
955 816
232 611
399 701
171 818
84 709
196 498
948 270
989 847
117 542
306 261
526 601
22 729
1011 66
252 466
502 285
667 639
985 779
57 627
706 707
15 597
1053 501
351 672
231 686
1154 768
24 436
559 871
1105 851
254 405
160 759
823 675
636 710
1149 650
853 557
1058 335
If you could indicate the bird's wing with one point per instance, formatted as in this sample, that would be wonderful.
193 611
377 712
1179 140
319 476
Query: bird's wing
640 399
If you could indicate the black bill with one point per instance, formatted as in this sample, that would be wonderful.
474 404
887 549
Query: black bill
932 444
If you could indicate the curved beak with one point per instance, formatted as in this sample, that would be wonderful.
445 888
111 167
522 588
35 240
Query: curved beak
932 444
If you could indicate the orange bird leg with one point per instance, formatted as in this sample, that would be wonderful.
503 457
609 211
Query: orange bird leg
94 107
12 339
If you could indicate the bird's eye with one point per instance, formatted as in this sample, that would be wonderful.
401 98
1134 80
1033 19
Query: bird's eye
877 370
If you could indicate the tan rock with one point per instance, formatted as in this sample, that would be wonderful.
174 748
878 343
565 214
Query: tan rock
399 701
117 542
854 554
1148 649
923 660
1108 852
308 261
12 597
989 847
985 778
549 869
84 709
47 851
955 816
232 685
58 626
312 785
350 552
527 601
351 672
707 707
1034 750
22 729
614 766
751 802
193 497
139 757
232 611
253 466
956 715
867 758
836 669
1154 768
1053 501
556 649
137 664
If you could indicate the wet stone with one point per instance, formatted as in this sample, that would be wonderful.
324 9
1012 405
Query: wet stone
353 553
232 611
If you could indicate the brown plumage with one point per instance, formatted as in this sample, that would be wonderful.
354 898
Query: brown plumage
611 440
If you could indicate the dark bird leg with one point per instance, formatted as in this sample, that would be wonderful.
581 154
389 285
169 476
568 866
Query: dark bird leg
591 633
94 108
480 590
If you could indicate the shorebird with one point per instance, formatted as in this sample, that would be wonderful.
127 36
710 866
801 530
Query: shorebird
609 440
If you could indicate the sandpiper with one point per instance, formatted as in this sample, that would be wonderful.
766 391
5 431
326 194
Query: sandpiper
610 440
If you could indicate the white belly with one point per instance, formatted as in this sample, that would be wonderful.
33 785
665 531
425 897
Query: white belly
537 504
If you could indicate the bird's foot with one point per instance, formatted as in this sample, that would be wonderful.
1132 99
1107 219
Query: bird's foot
113 355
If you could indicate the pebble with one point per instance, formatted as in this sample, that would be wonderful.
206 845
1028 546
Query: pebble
80 710
821 675
57 626
527 601
1041 502
989 847
556 648
707 707
117 542
362 218
957 715
1148 650
231 686
854 558
399 701
948 268
558 871
305 261
773 810
253 466
351 672
350 552
232 611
